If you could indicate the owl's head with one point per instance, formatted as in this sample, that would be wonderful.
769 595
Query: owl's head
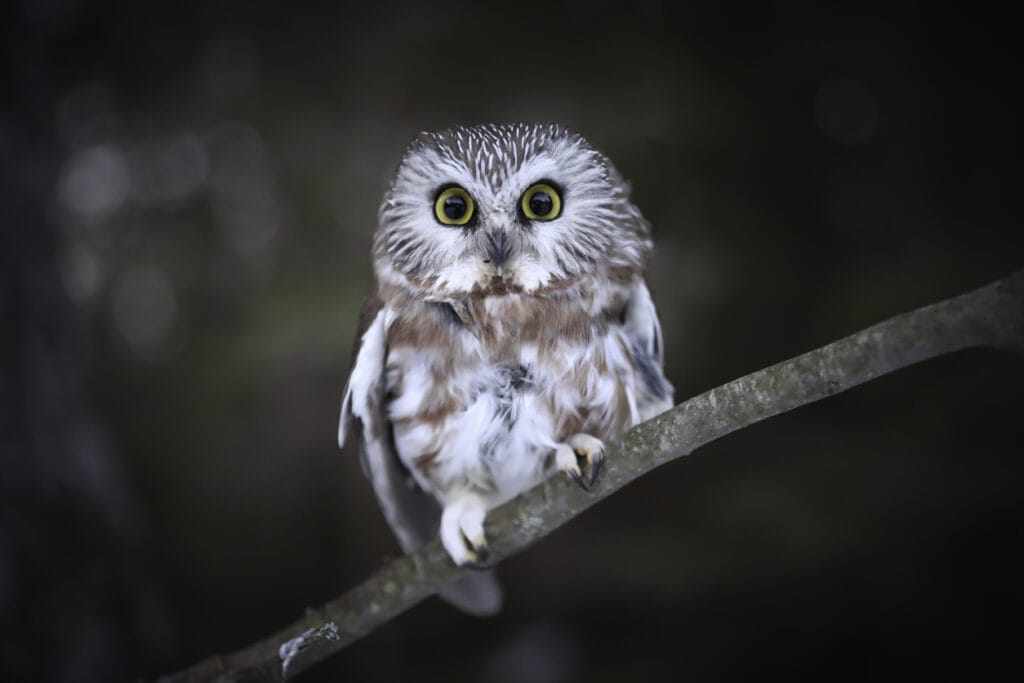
497 209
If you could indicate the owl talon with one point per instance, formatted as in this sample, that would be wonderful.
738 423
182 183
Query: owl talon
591 449
462 530
478 554
481 559
566 460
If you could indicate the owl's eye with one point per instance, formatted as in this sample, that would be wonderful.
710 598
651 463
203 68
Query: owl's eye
454 206
541 202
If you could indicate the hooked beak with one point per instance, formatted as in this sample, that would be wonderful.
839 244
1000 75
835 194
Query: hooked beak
499 249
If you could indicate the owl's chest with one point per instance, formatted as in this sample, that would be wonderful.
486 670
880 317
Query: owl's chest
485 425
488 406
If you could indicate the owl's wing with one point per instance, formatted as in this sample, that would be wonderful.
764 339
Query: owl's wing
412 514
643 332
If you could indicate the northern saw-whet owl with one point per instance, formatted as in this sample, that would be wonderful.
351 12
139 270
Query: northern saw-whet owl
511 333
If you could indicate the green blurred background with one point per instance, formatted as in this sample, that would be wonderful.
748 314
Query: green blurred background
189 194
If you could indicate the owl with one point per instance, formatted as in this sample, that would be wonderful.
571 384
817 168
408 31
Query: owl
511 334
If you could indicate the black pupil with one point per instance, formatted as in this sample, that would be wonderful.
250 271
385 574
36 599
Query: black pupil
540 203
454 207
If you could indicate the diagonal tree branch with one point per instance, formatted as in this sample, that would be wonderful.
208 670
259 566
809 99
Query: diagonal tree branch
990 316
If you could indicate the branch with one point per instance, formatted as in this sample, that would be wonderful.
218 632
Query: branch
990 316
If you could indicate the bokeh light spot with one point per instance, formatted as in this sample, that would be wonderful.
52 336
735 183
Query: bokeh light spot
144 308
94 182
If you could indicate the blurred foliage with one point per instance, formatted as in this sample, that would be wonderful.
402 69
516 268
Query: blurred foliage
808 171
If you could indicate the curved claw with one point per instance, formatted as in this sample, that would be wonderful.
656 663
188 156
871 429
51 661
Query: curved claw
462 529
591 449
595 468
566 459
578 478
480 557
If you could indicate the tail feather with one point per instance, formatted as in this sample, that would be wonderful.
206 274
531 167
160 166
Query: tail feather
478 594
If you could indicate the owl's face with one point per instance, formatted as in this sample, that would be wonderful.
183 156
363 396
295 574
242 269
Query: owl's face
498 209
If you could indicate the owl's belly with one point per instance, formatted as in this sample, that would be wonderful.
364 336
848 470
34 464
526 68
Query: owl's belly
492 428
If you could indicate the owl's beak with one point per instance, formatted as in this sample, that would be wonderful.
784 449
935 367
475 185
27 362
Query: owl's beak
499 248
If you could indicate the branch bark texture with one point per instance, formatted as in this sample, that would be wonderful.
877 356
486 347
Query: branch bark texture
991 316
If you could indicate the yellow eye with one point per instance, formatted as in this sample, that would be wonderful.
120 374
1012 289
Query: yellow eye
541 202
454 206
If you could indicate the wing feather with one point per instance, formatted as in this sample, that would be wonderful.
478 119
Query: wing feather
412 514
643 330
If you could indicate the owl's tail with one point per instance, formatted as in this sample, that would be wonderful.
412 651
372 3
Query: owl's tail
478 594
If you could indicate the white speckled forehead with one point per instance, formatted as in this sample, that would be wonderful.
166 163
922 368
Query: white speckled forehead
492 154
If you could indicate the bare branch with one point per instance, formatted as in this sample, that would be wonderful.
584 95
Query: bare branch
990 316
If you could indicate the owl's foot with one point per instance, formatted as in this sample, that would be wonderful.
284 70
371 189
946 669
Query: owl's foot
579 447
462 530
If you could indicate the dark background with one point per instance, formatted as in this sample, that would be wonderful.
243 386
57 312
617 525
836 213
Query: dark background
189 191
